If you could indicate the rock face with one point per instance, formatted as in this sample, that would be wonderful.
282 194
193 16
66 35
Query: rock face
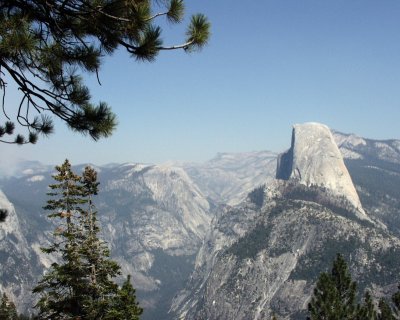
256 262
315 159
16 258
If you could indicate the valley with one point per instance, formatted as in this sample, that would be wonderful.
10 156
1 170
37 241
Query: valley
242 234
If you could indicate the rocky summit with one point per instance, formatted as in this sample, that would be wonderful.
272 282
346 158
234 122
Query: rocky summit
315 160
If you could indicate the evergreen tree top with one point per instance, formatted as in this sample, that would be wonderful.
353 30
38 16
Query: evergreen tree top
7 309
45 46
81 285
3 215
334 294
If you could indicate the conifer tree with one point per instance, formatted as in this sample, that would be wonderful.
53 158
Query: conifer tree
3 215
46 47
124 305
95 255
7 309
366 311
385 312
396 303
62 287
81 285
334 294
274 316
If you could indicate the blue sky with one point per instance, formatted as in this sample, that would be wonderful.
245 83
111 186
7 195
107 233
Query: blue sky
269 64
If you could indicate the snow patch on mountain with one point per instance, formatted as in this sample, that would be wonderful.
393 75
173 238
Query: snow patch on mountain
350 154
36 178
348 140
355 147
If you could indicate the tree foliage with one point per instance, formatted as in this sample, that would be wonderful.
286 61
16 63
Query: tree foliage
45 46
396 303
385 312
274 317
3 215
334 294
366 311
7 309
257 196
124 305
80 284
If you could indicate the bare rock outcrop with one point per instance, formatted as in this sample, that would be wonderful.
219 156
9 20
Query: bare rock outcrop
315 160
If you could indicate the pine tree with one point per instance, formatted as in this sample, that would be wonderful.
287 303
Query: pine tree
366 311
334 294
385 312
7 309
61 289
124 305
95 255
396 303
46 47
345 286
3 215
274 316
81 285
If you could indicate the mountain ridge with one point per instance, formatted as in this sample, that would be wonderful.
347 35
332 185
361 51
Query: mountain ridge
145 206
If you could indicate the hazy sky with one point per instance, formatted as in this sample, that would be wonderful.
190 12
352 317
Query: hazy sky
269 64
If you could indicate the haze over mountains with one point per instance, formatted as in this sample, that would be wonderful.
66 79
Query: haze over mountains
202 244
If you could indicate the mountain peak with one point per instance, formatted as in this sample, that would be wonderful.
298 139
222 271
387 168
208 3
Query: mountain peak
315 160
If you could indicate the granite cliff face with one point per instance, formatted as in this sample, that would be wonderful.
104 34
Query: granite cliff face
315 160
16 258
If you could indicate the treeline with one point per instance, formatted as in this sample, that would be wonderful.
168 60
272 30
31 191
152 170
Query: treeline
314 193
81 284
322 195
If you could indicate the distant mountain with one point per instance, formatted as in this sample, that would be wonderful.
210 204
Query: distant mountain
265 254
20 168
374 166
355 147
229 177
